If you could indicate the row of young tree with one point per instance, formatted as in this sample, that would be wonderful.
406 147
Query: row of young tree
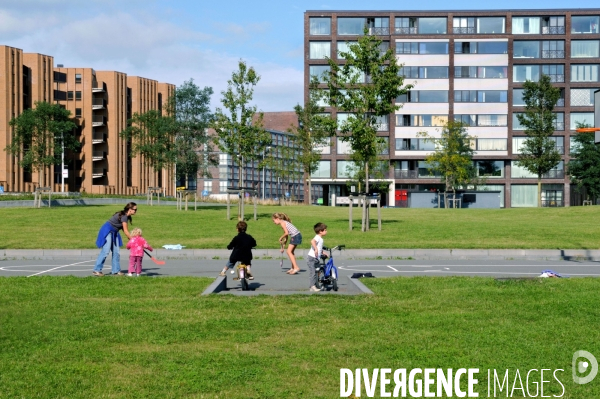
364 87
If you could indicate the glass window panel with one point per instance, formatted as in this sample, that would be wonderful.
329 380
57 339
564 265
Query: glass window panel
433 48
343 148
344 47
320 26
526 49
585 48
319 50
522 73
490 25
516 124
523 195
493 169
432 25
581 117
584 24
351 26
491 144
344 169
433 72
525 25
492 47
323 170
584 73
433 96
518 172
518 97
319 71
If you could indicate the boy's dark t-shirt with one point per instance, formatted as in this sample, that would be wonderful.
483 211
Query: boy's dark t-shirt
242 245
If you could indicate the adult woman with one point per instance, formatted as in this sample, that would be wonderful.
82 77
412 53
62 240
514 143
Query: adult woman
109 239
289 230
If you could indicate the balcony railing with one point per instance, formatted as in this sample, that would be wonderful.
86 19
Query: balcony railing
554 174
98 103
405 31
463 31
553 53
98 155
405 174
98 120
98 88
379 31
98 138
556 78
552 203
553 30
99 172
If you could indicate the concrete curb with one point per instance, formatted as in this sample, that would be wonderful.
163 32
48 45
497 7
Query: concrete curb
216 286
376 254
359 284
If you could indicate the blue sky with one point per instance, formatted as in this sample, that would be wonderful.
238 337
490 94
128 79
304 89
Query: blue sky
175 40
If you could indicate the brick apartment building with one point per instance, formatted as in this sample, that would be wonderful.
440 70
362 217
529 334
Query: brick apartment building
467 65
101 102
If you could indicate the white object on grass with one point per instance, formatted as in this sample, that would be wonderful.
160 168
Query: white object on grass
170 246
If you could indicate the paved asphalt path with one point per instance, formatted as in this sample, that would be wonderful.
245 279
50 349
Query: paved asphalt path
270 278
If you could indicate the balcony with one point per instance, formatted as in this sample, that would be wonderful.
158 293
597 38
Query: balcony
553 30
98 172
554 174
382 127
98 88
379 31
405 31
98 121
464 31
98 103
552 203
99 138
405 174
98 155
553 53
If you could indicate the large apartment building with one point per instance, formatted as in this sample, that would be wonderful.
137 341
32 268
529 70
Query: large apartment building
101 103
468 66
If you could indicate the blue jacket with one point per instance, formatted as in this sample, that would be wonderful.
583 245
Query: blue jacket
104 231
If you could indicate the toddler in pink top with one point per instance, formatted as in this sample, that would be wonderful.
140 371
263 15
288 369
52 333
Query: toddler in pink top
136 247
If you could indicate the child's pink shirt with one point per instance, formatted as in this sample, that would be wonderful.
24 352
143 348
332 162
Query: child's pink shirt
136 246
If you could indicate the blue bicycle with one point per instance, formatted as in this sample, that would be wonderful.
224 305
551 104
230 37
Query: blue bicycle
327 273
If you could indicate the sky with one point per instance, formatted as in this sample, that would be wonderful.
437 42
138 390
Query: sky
174 41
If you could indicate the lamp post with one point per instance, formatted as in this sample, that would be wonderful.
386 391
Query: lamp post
263 174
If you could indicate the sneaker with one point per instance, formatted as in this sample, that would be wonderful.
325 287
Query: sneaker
130 274
98 274
119 274
139 274
250 276
223 274
314 289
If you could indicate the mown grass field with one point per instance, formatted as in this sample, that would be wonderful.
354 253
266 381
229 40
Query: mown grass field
67 337
526 228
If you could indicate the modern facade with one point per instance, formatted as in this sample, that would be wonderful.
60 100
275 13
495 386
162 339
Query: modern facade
101 103
265 181
468 66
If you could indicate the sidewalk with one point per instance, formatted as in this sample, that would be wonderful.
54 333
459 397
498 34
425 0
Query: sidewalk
417 254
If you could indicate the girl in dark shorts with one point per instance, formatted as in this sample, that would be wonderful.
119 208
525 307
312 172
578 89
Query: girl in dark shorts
289 230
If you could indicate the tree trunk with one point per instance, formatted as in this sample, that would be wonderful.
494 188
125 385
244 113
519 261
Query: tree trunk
539 191
367 177
309 191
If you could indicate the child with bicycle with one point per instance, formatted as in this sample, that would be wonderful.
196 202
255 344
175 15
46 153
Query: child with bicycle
314 254
241 245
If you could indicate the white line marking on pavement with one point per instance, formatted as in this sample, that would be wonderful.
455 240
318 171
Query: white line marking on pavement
392 268
49 270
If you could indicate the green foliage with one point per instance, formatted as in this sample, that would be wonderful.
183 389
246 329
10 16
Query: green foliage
364 102
39 135
538 152
312 132
190 106
584 166
152 137
240 133
453 157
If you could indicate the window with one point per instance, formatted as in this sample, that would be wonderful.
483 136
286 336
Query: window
424 170
421 120
481 47
525 25
480 96
553 25
344 47
556 72
323 98
345 169
223 186
325 148
482 72
585 24
343 148
421 47
432 25
424 96
584 73
581 117
523 195
70 95
77 78
319 71
583 97
78 112
77 95
522 73
518 144
379 26
559 121
492 169
351 26
415 144
553 49
323 170
405 26
425 72
490 144
481 25
482 120
528 49
319 26
518 98
208 185
518 172
585 48
319 50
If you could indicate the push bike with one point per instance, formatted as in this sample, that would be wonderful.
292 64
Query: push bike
242 276
327 273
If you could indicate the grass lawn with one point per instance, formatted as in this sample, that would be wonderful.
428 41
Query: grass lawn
67 337
525 228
